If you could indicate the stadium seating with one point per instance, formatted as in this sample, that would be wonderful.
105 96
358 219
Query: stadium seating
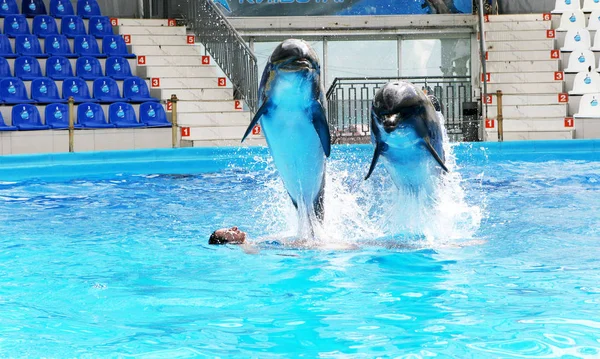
106 90
114 45
44 26
29 45
586 82
4 126
58 45
100 26
32 8
44 90
589 107
6 49
153 114
72 26
27 68
8 7
13 91
78 89
88 8
91 115
122 115
590 5
594 21
577 39
27 118
118 68
88 68
580 61
562 6
58 68
16 25
572 20
57 117
596 46
5 70
86 45
61 8
136 90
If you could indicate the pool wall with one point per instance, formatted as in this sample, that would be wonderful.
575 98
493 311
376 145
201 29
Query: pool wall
54 166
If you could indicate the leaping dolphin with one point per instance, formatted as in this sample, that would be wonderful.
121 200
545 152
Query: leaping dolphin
407 133
292 116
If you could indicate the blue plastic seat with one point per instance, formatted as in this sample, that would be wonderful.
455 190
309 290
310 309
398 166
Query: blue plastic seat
76 88
100 26
118 68
122 114
72 26
32 8
4 126
13 91
44 90
114 45
57 116
8 7
88 8
91 115
58 45
106 90
16 25
27 68
44 26
6 49
136 90
86 45
29 45
27 118
5 68
88 68
58 68
153 115
61 8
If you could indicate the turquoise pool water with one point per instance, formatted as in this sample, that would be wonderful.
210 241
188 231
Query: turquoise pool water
105 256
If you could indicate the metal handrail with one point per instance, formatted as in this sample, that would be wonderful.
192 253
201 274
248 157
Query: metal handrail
227 48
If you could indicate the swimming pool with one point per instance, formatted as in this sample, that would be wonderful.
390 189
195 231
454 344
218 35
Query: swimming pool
106 255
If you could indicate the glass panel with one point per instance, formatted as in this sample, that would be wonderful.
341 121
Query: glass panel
445 57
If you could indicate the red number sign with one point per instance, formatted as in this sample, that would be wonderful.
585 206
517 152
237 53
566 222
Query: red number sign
486 18
487 55
191 39
569 122
127 39
155 82
238 105
550 34
555 54
563 97
205 60
489 123
141 60
559 76
487 77
547 17
169 106
488 99
222 81
172 22
114 21
256 130
185 132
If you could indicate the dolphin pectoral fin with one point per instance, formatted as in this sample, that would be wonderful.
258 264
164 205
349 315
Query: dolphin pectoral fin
319 120
261 111
376 154
434 153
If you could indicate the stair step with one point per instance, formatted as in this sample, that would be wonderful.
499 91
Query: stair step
495 56
194 95
526 99
534 111
193 83
151 30
178 50
537 45
538 124
531 135
168 40
517 25
522 77
217 133
523 66
143 22
195 107
181 71
215 119
258 141
517 17
534 88
516 35
174 61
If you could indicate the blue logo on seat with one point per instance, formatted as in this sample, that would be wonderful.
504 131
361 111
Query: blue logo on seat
581 58
11 89
89 113
121 113
15 25
596 1
32 6
25 114
594 102
105 87
43 89
151 112
74 88
87 67
117 66
113 45
58 66
4 6
72 25
577 37
57 114
99 26
85 44
135 88
27 66
60 7
568 2
87 8
44 25
27 44
587 80
56 44
573 18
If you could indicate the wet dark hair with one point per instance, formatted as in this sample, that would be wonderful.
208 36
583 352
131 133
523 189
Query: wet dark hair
215 239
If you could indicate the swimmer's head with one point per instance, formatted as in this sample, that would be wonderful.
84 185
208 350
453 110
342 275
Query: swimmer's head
227 236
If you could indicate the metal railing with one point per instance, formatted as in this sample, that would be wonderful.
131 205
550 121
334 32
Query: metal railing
227 48
349 105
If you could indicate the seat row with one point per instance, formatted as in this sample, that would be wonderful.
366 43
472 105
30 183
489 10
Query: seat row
85 45
70 26
58 8
589 106
576 20
89 115
580 39
585 82
581 60
59 68
562 6
45 90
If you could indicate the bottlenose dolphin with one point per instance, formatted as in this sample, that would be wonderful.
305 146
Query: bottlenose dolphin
441 6
292 116
407 132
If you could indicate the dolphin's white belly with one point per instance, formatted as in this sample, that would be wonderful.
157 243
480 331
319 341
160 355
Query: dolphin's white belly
296 150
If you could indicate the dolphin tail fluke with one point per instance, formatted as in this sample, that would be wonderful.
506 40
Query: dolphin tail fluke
261 111
376 154
434 153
